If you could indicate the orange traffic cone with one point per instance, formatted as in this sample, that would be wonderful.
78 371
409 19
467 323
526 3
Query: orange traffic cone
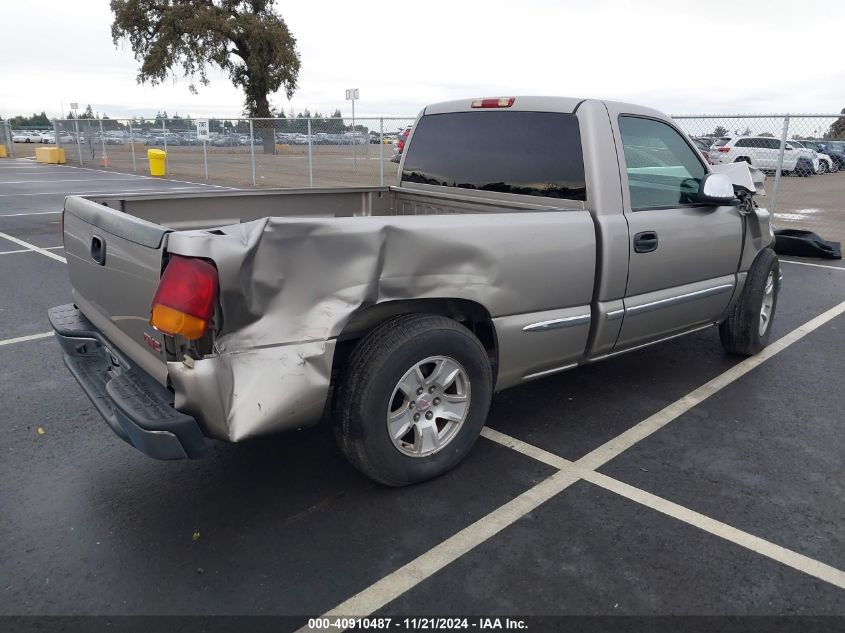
104 160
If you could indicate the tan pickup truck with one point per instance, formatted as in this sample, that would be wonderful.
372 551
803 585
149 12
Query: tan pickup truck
524 236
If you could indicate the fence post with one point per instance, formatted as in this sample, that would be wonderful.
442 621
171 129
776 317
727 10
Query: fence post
164 138
252 150
310 160
78 140
381 151
779 168
56 133
132 146
7 138
103 160
205 157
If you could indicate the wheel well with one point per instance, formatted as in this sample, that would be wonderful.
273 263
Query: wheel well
470 314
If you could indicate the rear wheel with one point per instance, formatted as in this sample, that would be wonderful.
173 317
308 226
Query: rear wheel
412 399
746 331
822 167
804 168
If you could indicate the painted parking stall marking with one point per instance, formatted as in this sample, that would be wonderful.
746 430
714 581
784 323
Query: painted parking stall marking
379 594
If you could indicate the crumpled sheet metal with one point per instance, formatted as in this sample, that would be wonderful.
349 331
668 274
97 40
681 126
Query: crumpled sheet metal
289 285
256 391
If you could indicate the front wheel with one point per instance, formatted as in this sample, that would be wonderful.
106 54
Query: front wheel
412 399
746 331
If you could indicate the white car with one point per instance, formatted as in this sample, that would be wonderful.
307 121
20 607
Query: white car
26 137
826 164
762 152
64 137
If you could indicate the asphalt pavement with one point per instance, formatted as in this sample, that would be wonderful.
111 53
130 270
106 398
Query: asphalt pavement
674 480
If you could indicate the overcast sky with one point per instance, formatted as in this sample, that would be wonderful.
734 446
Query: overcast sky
680 56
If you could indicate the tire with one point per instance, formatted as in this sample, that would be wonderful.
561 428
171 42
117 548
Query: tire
369 391
822 167
804 168
743 159
741 332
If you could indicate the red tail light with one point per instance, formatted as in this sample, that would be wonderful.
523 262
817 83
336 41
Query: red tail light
724 150
499 102
184 301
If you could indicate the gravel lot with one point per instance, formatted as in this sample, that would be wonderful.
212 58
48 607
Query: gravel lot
669 481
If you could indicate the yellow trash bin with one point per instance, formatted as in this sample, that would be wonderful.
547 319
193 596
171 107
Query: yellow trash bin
156 158
3 153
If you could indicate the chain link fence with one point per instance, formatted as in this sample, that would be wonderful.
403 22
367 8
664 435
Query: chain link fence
803 157
278 152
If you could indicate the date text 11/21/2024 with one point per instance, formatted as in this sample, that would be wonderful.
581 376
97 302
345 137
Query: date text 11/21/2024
416 624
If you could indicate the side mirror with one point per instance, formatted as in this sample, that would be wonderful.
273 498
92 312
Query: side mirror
716 189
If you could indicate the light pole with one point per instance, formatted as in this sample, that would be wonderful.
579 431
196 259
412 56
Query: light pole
352 95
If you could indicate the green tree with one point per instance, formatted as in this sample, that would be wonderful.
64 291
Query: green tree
36 120
720 131
837 128
245 38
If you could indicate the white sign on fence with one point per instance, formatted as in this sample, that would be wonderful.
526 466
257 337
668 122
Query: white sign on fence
202 130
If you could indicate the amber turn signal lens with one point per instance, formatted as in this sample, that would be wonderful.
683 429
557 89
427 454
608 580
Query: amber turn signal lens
173 322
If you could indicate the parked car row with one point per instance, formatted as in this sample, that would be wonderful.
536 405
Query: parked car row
26 136
802 158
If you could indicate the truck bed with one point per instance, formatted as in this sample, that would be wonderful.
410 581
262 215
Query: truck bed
212 209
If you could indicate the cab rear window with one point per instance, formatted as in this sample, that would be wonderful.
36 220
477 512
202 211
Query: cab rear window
526 153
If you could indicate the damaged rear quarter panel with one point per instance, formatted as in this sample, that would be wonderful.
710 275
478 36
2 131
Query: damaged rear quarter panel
289 285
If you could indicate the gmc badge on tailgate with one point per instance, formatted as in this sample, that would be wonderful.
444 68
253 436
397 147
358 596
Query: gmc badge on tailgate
152 343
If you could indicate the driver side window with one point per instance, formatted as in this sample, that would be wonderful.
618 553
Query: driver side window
663 170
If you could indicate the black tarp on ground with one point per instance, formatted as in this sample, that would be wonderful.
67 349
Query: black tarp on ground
805 244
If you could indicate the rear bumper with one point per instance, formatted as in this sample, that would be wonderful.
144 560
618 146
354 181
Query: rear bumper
136 407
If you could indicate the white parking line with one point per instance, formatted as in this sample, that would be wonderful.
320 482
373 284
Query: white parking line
654 423
408 576
28 250
691 517
792 261
38 182
33 247
159 178
785 556
113 192
15 215
23 339
424 566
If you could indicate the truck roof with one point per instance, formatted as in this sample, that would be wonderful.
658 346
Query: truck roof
566 105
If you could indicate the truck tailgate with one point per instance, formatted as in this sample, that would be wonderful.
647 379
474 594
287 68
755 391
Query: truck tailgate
114 261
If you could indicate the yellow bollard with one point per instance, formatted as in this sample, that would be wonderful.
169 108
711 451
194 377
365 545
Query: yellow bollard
50 155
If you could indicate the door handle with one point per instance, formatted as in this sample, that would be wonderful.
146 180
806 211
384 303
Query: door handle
98 250
645 242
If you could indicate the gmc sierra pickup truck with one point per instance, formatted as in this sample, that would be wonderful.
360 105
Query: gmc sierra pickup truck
524 237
